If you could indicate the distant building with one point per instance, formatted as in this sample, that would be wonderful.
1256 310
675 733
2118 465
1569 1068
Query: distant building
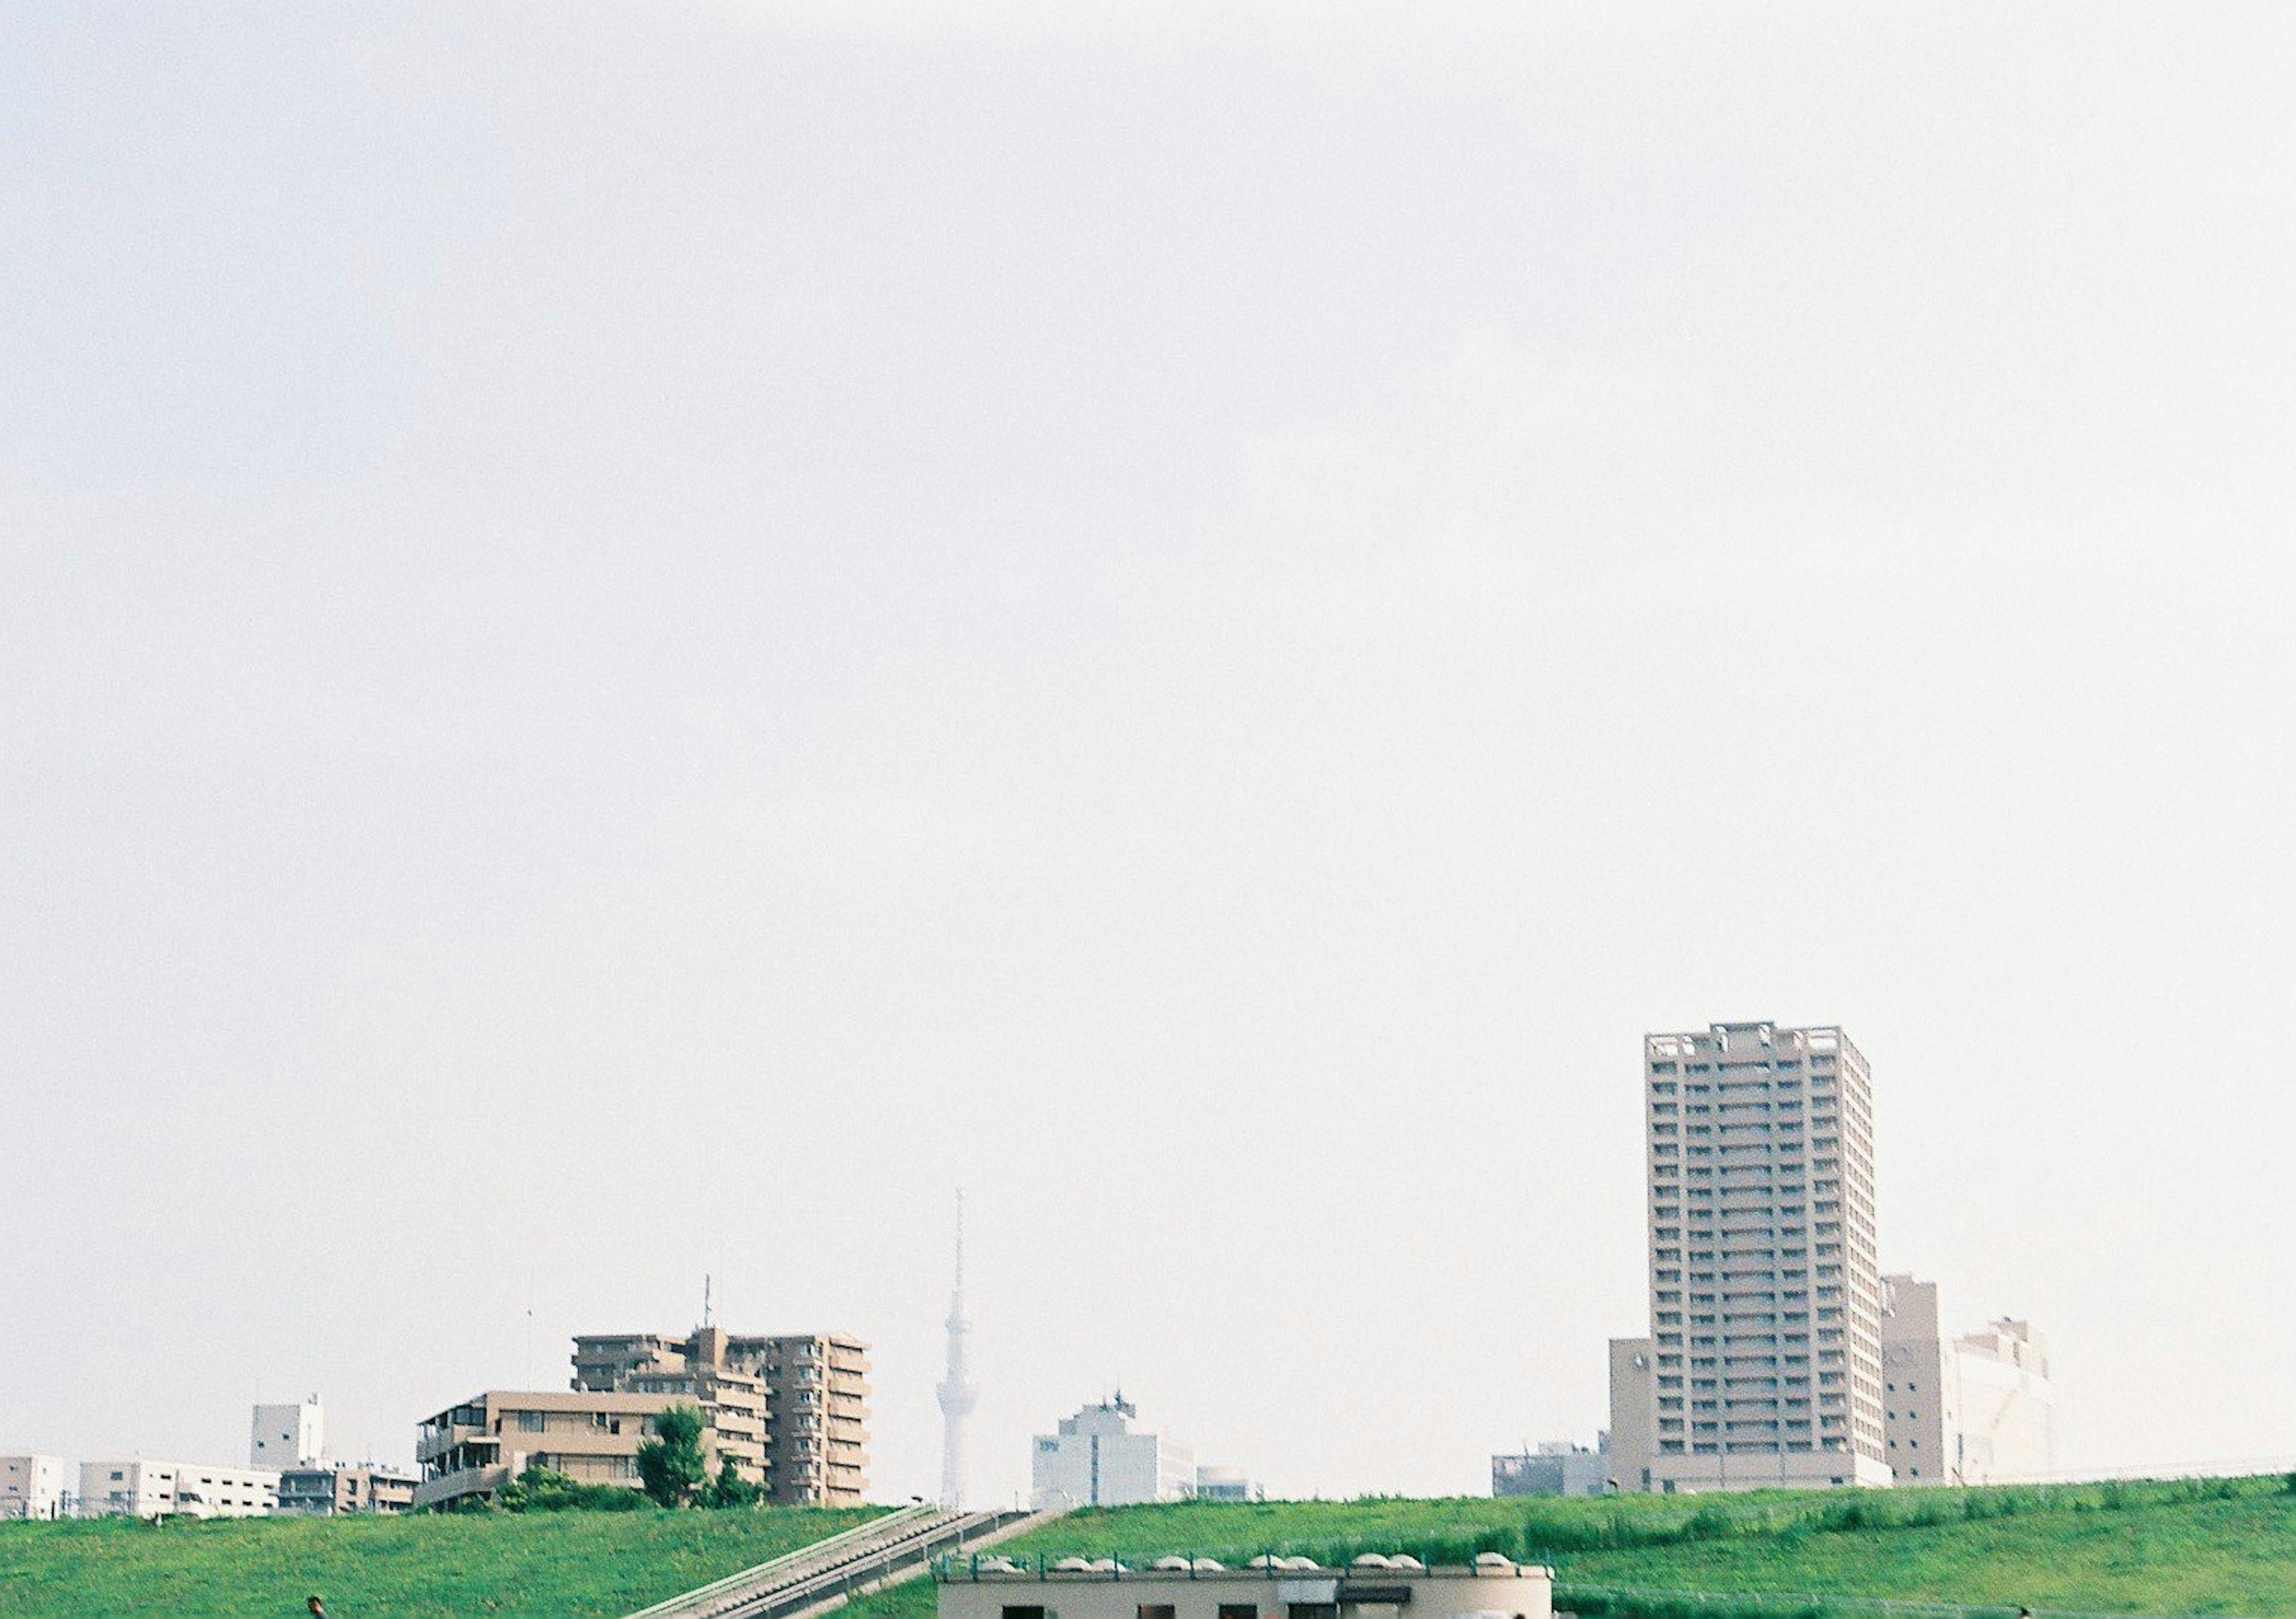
1226 1485
817 1440
1096 1459
32 1485
1763 1365
475 1448
1974 1409
793 1410
285 1436
1556 1467
340 1488
135 1487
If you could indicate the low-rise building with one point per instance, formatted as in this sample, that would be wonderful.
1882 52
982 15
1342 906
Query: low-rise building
1096 1459
476 1447
1372 1587
1226 1485
32 1485
1555 1467
342 1487
137 1487
1973 1409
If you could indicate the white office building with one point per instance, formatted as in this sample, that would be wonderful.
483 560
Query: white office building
1097 1459
285 1436
1763 1366
134 1487
1973 1409
32 1485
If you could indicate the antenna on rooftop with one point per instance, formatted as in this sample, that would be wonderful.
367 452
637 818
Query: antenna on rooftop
706 1305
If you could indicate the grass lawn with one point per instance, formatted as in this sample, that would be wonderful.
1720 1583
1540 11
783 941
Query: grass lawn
2207 1547
531 1566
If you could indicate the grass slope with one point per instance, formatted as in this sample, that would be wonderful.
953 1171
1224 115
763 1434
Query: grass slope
533 1566
2223 1546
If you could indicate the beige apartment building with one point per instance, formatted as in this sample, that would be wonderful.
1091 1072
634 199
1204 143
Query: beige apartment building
696 1369
818 1440
797 1404
1763 1365
1973 1409
478 1446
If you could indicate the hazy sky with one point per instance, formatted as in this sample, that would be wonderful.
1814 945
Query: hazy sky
634 641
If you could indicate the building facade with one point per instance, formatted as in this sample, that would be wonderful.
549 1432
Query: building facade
1973 1409
794 1409
1763 1366
32 1485
1555 1467
285 1436
341 1488
818 1441
135 1487
1096 1459
697 1369
476 1447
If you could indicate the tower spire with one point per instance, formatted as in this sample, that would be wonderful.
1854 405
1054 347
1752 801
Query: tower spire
957 1392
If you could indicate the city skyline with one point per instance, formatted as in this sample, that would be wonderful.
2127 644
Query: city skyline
1193 624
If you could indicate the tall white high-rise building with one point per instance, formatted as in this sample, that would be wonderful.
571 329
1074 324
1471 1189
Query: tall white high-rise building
957 1392
1763 1366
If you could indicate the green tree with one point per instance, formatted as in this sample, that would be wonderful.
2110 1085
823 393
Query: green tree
670 1466
730 1489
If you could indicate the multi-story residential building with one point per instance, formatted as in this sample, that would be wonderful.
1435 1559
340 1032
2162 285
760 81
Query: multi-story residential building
1096 1459
1763 1364
32 1485
1974 1409
283 1436
478 1446
134 1487
1556 1467
817 1433
336 1488
697 1369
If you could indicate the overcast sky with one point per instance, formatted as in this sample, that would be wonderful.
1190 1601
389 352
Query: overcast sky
636 641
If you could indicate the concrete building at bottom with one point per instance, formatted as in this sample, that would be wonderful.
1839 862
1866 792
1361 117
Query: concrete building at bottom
1373 1587
135 1486
32 1485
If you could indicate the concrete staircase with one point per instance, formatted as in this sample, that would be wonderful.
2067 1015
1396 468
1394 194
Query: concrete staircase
815 1579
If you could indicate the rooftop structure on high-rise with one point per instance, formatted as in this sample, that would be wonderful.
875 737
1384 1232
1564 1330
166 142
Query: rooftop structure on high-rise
1763 1366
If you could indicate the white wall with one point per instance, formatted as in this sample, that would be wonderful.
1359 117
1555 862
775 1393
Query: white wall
32 1485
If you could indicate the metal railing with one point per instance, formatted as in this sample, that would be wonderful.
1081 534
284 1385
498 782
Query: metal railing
833 1548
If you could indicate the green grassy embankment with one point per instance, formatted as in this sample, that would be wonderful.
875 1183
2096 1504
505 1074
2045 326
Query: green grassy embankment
529 1566
2213 1545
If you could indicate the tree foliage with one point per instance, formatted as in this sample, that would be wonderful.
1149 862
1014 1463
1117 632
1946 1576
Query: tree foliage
670 1465
730 1489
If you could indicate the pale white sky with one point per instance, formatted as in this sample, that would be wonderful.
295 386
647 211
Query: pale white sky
635 640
